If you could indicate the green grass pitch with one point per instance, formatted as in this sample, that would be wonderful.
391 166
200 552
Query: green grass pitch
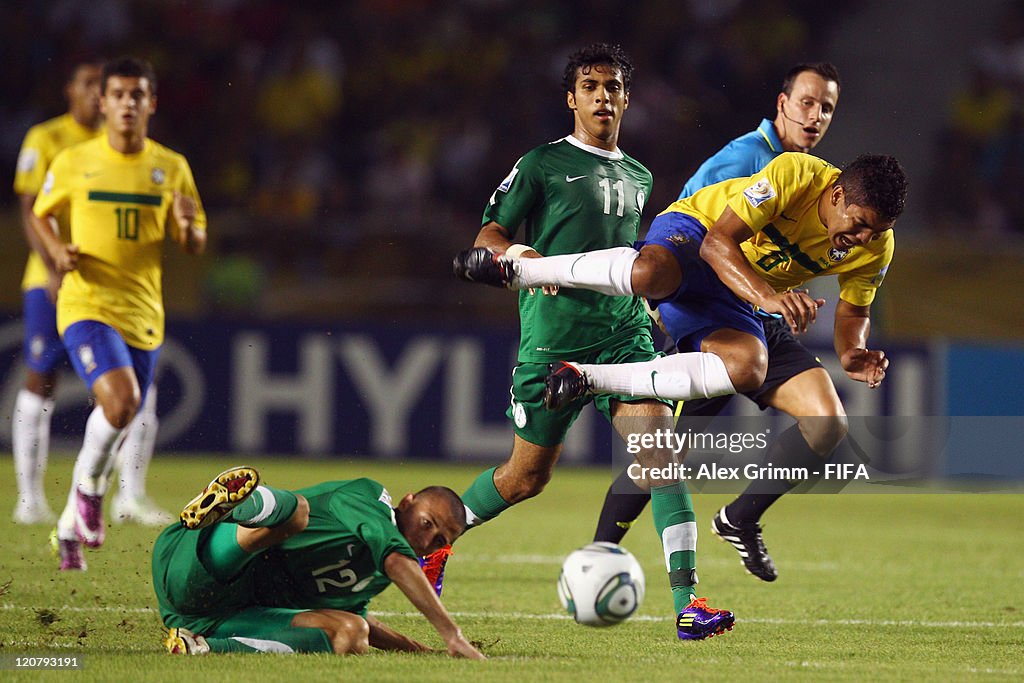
871 587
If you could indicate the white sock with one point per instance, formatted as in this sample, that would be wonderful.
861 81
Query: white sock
680 377
137 448
66 521
29 411
97 450
608 271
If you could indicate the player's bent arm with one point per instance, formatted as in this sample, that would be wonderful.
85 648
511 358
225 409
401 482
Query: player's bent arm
25 202
383 637
850 338
405 572
59 256
191 238
721 250
496 238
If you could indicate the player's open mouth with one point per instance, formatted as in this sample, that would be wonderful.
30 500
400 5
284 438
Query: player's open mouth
843 242
812 132
603 114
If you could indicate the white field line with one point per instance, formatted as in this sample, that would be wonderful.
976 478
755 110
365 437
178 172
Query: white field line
557 560
556 616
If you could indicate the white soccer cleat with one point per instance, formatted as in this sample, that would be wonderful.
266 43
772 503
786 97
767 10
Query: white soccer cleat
181 641
141 511
33 512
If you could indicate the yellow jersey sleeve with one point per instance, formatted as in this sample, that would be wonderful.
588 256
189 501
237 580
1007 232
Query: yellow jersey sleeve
55 192
33 159
786 185
858 287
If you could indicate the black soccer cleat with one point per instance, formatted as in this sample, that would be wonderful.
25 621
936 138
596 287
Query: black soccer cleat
563 385
746 538
484 266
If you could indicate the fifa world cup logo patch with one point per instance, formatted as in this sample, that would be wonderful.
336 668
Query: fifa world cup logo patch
759 192
86 357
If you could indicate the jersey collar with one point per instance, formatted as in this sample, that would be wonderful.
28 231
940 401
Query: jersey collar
767 130
614 156
113 153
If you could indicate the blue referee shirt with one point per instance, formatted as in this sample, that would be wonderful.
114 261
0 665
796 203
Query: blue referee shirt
744 156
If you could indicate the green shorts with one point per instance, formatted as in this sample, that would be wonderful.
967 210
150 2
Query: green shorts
193 598
538 425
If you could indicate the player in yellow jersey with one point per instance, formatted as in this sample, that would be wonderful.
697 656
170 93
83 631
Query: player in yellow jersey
710 258
121 189
43 350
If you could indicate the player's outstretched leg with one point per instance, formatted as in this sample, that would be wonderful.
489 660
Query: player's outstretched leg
697 621
227 490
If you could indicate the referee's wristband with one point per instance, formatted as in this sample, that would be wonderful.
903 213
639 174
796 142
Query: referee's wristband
517 250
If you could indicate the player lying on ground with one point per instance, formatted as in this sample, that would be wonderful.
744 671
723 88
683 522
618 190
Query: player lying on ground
258 569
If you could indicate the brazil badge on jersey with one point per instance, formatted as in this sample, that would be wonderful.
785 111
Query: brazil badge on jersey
566 197
120 205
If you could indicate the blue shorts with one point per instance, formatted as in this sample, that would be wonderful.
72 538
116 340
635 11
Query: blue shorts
95 348
43 348
702 304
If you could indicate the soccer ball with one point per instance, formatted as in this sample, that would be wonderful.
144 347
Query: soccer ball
601 584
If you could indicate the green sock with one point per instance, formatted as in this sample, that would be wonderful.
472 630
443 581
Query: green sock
483 500
266 507
676 526
285 641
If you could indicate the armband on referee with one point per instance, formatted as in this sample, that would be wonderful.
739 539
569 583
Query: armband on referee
516 251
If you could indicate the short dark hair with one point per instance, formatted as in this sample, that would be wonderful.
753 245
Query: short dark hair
876 181
592 55
826 70
80 64
132 67
456 507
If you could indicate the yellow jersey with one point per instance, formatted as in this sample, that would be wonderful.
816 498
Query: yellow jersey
42 143
790 245
119 207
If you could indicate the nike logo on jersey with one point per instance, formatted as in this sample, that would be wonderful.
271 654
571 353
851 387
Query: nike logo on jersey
574 178
91 174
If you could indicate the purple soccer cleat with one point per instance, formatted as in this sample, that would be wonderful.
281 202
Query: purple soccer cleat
697 621
69 552
433 566
89 519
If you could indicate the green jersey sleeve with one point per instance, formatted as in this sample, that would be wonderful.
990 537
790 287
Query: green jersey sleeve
517 195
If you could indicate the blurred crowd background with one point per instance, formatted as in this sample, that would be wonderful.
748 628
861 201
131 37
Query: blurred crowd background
345 150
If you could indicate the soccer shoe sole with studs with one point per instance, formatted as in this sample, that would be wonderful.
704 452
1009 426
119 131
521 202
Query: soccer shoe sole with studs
221 496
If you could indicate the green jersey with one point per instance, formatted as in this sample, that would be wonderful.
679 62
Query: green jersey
337 562
571 197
